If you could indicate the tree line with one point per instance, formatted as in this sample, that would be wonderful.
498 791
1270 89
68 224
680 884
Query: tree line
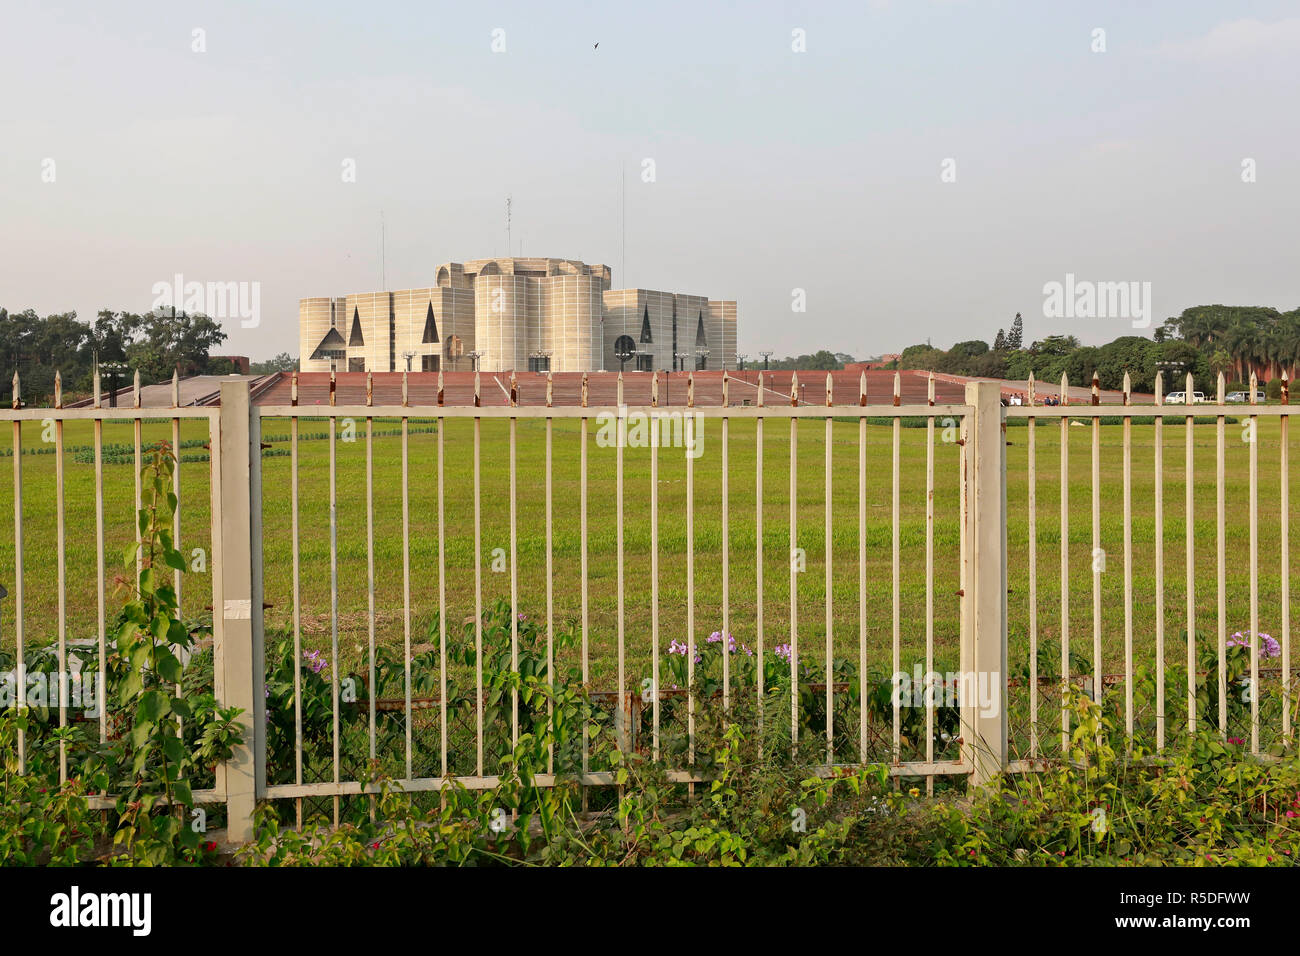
1203 340
155 343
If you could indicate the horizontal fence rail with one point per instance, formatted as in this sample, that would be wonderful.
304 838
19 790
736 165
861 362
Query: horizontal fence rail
412 593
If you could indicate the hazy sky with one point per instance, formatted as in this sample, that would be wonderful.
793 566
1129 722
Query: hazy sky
775 170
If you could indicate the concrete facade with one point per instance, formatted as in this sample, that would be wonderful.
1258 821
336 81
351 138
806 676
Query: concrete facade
520 314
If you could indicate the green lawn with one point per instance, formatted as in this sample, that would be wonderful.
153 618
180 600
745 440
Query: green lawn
40 536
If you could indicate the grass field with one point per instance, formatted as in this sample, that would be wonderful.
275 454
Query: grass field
41 540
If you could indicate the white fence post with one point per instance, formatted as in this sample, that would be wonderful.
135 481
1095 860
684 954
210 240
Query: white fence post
236 612
984 703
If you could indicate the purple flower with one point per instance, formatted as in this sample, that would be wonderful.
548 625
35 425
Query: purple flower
315 661
782 651
1268 646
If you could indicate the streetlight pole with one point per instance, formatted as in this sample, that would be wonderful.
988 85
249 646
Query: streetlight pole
766 356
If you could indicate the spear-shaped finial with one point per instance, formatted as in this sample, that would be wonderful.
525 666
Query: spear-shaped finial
1128 389
440 394
17 402
550 388
654 389
176 388
829 389
1065 389
137 388
862 389
514 389
58 389
293 389
1160 388
1030 392
794 390
478 400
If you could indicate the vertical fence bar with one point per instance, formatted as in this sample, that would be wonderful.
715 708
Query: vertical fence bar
794 567
862 571
370 568
1254 567
236 637
986 747
654 569
1032 454
442 581
1096 543
61 560
550 583
514 568
688 424
1159 476
930 688
758 559
1221 556
297 599
137 423
100 624
177 577
1065 570
582 509
406 576
478 578
20 633
1190 538
1128 560
1285 537
896 636
726 553
334 589
830 649
257 592
176 512
620 441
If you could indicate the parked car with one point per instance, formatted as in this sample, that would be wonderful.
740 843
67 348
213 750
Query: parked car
1242 397
1180 398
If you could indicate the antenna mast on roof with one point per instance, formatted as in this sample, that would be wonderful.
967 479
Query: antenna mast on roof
509 242
622 185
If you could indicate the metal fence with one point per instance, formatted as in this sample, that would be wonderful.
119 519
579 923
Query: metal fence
980 749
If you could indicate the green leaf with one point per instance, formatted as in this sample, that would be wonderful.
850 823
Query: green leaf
153 706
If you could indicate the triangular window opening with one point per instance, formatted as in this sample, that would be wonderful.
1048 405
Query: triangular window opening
430 336
700 341
646 338
331 341
355 339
